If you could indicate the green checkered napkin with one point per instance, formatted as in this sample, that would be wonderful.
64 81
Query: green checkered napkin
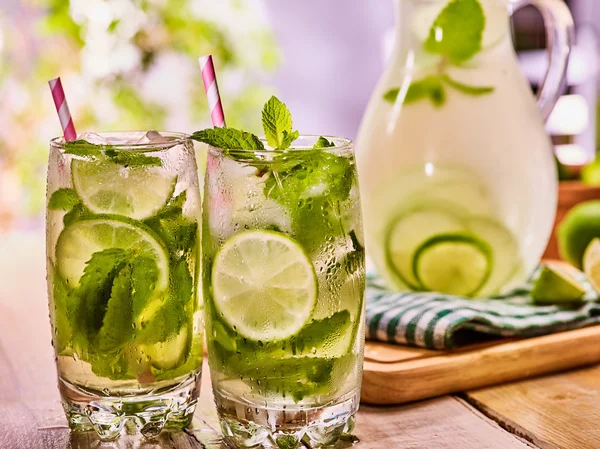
438 321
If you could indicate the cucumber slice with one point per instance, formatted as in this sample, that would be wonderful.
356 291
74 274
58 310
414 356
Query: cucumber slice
506 251
408 232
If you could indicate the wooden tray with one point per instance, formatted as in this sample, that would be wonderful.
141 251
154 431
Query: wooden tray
395 374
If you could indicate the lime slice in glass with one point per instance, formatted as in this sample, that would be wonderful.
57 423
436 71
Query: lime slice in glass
168 354
457 264
558 282
591 263
264 285
408 232
505 247
81 239
107 188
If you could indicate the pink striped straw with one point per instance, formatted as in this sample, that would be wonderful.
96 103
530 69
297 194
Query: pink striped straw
212 91
58 94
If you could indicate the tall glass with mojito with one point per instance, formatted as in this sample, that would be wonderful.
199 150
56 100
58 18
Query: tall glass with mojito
284 279
122 258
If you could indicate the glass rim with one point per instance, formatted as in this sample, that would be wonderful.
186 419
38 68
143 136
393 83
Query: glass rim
341 144
178 139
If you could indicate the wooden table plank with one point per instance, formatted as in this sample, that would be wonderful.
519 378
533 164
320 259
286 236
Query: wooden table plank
561 411
31 416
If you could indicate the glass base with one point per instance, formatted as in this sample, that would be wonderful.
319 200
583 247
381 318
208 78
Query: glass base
245 425
149 413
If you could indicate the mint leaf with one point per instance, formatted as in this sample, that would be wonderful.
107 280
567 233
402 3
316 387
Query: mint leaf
457 31
466 88
95 289
319 333
174 206
228 139
78 212
182 284
117 327
83 148
128 158
131 158
322 142
288 139
165 323
277 124
309 184
63 199
429 87
176 230
60 311
391 95
308 175
171 315
144 275
114 365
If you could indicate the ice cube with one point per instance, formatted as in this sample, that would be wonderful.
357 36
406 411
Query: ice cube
94 138
155 137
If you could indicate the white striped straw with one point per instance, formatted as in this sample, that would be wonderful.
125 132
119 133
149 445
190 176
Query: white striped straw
212 91
58 94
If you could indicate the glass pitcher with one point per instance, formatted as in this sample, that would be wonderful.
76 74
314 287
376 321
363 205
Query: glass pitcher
457 173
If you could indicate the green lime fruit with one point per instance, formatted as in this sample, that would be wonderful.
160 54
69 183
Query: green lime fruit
264 285
107 188
580 226
81 239
456 263
590 174
407 232
557 283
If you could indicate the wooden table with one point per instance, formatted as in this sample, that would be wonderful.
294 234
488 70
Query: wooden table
558 411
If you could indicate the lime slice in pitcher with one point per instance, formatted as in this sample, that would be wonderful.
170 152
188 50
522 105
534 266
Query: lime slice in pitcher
264 285
457 264
107 188
408 232
80 240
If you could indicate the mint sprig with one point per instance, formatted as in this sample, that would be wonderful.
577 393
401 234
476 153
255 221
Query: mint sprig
128 158
309 184
229 139
277 124
456 36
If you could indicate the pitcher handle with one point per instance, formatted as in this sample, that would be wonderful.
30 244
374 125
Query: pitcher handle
560 35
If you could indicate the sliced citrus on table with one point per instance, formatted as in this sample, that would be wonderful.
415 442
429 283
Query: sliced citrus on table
455 263
558 282
591 263
408 232
81 239
108 188
264 285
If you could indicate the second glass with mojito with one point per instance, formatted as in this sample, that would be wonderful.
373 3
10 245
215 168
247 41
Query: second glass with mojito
284 279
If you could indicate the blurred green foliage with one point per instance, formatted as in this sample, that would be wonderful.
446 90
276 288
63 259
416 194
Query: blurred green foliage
113 57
